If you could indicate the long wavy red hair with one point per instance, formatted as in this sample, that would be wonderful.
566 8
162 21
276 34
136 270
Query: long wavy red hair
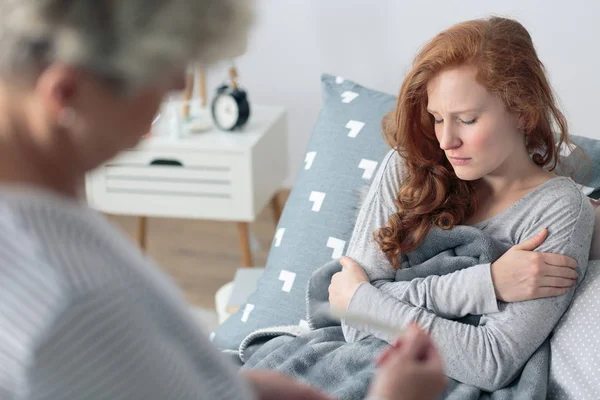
506 63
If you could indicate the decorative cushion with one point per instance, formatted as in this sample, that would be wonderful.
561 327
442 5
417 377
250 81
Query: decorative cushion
576 343
343 154
586 169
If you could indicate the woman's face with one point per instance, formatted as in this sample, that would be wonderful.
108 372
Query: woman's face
473 127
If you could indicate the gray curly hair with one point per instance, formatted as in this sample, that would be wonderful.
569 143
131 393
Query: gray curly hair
132 42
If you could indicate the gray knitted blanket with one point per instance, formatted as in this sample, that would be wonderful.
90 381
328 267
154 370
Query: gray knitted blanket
320 356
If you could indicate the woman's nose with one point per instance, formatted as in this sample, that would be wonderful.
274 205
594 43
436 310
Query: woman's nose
449 139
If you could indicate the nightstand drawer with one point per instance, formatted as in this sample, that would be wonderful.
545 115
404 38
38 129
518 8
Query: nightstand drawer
193 160
162 183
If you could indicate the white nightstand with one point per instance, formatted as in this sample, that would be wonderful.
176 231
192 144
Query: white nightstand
226 176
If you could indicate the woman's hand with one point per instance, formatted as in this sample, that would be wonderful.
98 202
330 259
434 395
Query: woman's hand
524 274
344 283
270 385
411 369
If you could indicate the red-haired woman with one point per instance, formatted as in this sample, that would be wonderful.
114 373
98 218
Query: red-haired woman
475 136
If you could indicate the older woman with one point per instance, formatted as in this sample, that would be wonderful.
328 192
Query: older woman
83 314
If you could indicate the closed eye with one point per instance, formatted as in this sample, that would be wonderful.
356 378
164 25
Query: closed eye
469 122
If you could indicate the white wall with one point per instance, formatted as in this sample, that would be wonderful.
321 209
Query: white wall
373 42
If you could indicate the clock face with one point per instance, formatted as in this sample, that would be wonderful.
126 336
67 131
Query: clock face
226 111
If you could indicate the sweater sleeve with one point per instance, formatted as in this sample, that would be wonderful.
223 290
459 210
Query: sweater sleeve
437 294
492 354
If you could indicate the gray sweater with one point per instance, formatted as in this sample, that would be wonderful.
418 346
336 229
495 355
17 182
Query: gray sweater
492 354
85 315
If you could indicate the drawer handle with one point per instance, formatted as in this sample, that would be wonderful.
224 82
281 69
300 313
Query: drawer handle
165 162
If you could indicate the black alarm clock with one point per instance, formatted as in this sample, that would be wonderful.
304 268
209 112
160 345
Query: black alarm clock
230 107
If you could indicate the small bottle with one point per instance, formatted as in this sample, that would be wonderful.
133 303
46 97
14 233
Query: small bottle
174 125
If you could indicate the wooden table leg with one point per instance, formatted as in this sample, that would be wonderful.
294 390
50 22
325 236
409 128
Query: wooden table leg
276 207
142 222
244 236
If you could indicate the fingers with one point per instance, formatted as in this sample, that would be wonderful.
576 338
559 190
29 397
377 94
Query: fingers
548 291
433 359
561 272
353 269
274 385
293 390
348 263
399 349
417 353
559 260
434 368
415 343
533 242
335 276
551 281
416 346
556 280
383 357
309 393
388 352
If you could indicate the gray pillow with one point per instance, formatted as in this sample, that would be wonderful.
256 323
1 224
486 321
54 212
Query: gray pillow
342 157
585 170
